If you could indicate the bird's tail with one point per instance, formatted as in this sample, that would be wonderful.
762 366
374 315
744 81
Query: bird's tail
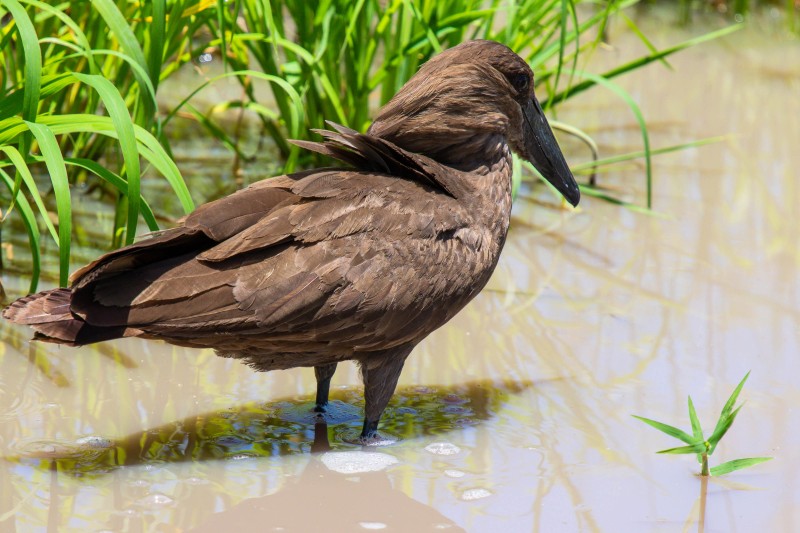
49 314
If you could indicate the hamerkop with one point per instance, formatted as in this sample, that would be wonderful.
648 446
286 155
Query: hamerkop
334 264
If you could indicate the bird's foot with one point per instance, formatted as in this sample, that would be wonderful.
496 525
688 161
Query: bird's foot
335 412
370 437
320 409
374 440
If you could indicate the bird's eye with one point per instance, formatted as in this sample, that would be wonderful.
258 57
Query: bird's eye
520 81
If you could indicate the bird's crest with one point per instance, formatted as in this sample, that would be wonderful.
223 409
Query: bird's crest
370 153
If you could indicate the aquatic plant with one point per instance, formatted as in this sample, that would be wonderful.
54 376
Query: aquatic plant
79 85
703 447
347 58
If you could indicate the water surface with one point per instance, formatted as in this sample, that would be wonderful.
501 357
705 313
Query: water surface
517 413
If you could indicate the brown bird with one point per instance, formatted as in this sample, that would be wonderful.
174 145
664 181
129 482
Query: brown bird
328 265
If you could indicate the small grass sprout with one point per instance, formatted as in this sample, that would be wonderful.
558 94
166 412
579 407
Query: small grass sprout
696 443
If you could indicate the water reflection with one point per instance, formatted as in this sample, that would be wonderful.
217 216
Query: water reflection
338 493
338 487
270 430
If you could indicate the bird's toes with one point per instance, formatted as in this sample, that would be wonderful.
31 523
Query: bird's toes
372 440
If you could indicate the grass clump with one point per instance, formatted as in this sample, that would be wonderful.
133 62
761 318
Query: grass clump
79 85
703 447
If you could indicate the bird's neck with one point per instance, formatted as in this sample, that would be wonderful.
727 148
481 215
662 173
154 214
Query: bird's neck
488 162
493 188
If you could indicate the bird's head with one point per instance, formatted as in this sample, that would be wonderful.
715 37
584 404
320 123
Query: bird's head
469 101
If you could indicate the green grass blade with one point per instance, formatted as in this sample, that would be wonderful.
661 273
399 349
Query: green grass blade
12 104
153 152
58 177
623 158
24 172
622 93
217 132
123 124
697 430
645 60
697 447
430 36
128 42
149 147
669 430
29 221
737 464
33 58
642 37
223 41
728 407
155 55
722 428
122 31
562 42
596 193
271 27
138 72
116 181
725 414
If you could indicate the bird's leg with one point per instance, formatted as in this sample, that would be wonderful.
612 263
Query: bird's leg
321 443
380 374
324 373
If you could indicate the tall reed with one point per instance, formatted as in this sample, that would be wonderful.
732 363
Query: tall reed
79 82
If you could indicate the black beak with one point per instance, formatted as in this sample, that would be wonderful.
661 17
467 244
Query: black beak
545 155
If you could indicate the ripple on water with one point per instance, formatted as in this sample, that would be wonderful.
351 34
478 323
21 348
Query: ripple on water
50 449
337 412
372 525
357 462
155 500
475 494
95 441
442 448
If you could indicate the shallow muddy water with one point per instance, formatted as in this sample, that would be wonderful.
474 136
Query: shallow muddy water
516 415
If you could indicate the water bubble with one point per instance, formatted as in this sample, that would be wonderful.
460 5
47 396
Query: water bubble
205 58
372 525
454 399
454 473
93 441
475 494
241 457
357 462
155 500
442 448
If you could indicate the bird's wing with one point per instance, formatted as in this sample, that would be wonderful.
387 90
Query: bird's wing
207 225
297 258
